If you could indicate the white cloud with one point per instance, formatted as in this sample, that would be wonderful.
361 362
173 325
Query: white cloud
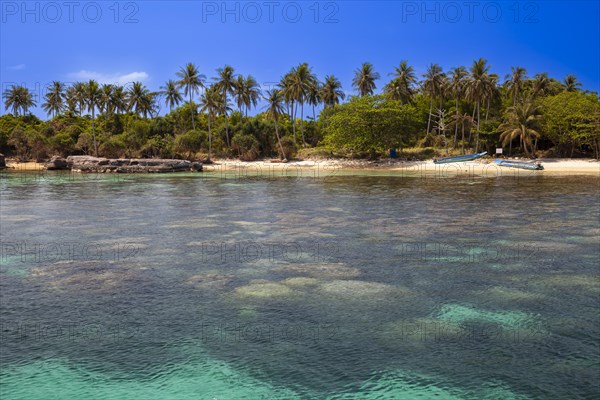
116 78
17 67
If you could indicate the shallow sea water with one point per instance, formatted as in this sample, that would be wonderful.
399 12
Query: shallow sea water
347 286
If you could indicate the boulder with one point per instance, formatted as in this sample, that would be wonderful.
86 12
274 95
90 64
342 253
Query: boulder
57 163
126 165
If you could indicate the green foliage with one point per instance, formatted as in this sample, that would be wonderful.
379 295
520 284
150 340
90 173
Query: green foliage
372 123
246 146
189 143
572 119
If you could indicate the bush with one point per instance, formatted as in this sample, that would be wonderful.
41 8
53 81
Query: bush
189 143
113 147
289 147
246 146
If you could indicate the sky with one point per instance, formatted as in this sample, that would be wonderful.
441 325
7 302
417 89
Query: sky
149 41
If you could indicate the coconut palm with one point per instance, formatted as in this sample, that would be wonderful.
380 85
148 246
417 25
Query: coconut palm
458 80
119 99
540 84
404 80
55 99
313 96
105 103
172 95
492 92
140 100
275 100
79 92
92 96
239 88
251 93
225 84
395 90
364 79
331 92
478 85
465 121
300 81
521 121
571 83
18 98
192 81
514 82
433 86
210 102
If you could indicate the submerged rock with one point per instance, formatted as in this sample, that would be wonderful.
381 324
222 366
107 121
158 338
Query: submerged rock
263 290
133 165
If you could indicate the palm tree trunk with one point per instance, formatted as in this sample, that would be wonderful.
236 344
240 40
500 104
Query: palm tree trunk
302 122
487 109
279 141
456 125
463 137
209 138
192 112
429 119
94 133
477 138
294 119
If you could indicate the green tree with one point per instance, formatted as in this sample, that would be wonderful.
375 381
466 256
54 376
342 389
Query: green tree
18 98
225 84
92 96
515 81
172 95
571 83
478 86
364 79
433 86
521 121
211 103
275 100
55 99
192 81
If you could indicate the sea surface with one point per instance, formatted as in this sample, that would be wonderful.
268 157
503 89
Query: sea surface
329 285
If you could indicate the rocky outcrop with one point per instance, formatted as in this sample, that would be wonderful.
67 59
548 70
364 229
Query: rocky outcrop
57 163
133 165
2 161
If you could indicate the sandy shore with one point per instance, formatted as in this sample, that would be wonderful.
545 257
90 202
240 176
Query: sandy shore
324 167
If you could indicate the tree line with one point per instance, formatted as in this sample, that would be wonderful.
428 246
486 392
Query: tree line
463 109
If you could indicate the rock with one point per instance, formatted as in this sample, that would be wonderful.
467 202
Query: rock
2 161
126 165
57 163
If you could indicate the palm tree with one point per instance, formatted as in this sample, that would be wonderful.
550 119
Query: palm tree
491 92
465 121
331 92
172 95
105 101
300 82
79 91
514 82
238 92
119 99
191 80
395 90
251 94
18 98
404 80
521 121
433 85
540 84
458 81
140 100
571 83
275 108
71 99
364 79
478 85
92 96
314 96
55 99
225 84
210 101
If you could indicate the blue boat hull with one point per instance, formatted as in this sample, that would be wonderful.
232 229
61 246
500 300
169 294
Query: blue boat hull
520 164
466 157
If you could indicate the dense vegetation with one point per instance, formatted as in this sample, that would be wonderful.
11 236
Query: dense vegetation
457 111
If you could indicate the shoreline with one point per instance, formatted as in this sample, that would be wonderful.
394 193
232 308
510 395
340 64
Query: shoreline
552 166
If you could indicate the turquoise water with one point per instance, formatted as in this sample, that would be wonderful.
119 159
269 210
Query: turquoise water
221 286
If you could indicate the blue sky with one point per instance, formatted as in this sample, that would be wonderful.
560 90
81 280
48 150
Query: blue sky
150 40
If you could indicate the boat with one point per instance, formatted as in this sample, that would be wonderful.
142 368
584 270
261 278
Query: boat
531 165
466 157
